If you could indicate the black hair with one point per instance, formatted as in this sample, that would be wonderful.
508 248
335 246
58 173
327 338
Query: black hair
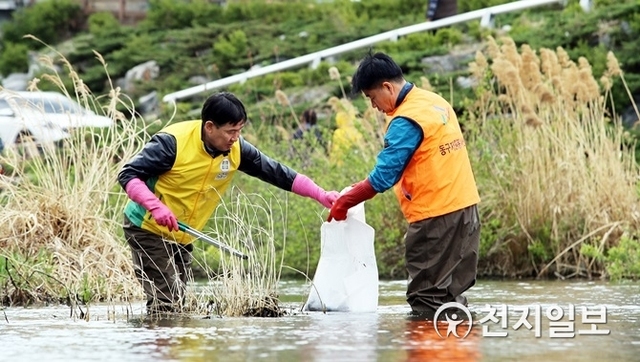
309 116
223 108
373 70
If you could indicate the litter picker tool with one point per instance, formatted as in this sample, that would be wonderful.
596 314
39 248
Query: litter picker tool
209 240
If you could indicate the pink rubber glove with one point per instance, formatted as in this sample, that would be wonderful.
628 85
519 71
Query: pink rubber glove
304 186
138 191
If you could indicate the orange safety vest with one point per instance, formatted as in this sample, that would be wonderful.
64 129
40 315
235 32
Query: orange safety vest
192 188
438 179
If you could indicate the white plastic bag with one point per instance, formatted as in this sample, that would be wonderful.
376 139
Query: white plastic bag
346 279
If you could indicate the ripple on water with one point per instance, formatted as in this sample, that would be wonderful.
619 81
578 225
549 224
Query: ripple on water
49 334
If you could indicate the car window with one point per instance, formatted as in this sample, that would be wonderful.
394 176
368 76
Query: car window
70 106
4 103
22 103
49 107
58 106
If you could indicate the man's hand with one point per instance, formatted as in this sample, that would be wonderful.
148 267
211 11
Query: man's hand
138 191
164 216
304 186
329 198
360 192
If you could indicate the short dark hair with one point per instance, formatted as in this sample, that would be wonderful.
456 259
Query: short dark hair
223 108
373 70
309 116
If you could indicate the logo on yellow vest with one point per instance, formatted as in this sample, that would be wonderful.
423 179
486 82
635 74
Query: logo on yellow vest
225 165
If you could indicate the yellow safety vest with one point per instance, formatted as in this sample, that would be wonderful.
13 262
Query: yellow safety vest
192 189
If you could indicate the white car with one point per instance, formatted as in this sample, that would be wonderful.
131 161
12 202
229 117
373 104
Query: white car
46 117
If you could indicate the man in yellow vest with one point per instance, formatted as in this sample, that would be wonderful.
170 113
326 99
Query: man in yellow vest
180 175
425 160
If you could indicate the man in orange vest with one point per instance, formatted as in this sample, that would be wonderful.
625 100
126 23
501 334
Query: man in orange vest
425 160
180 175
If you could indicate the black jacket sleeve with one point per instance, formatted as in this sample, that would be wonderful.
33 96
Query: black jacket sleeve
155 158
257 164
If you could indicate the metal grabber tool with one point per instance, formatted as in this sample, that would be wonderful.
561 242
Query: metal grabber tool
209 240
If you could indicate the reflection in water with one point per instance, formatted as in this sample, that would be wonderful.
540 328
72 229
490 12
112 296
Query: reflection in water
425 343
332 337
313 336
48 334
160 343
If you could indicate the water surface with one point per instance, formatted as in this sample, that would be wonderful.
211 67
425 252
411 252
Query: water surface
49 334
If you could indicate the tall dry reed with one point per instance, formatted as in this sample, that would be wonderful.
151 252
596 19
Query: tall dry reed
244 287
60 216
558 166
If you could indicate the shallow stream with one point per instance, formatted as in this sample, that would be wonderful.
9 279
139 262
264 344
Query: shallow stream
49 334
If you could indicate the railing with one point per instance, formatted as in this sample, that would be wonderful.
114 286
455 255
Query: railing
485 16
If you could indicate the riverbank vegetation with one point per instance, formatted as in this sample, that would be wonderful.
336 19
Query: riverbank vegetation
61 209
548 152
61 239
555 167
195 41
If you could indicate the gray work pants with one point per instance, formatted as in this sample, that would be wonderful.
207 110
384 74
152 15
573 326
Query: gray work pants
442 259
162 267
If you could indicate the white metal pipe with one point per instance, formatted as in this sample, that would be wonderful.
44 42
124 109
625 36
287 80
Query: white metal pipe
314 58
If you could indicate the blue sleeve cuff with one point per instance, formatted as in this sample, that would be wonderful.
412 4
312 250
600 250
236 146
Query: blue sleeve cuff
402 139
